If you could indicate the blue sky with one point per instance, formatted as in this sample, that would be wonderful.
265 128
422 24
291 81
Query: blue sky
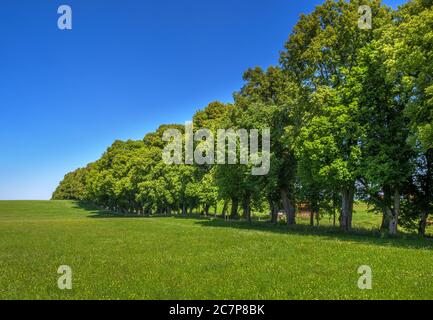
125 68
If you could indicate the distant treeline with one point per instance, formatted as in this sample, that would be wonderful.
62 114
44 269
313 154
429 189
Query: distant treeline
351 117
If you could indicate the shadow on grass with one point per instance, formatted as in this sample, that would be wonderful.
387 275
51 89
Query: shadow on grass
97 212
331 233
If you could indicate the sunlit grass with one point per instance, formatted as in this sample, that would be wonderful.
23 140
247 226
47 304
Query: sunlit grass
191 258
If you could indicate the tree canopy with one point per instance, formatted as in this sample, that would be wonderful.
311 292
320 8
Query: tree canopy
350 113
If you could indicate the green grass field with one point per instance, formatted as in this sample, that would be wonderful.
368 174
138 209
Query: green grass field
192 258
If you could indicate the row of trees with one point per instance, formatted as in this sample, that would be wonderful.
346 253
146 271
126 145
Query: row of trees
351 117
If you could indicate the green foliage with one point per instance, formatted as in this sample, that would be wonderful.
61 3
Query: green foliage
350 113
73 186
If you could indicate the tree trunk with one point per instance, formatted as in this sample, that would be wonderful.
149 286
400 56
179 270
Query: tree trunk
346 209
422 224
386 214
271 210
428 193
224 212
335 209
393 223
235 205
275 214
274 211
184 209
288 207
311 217
246 208
206 209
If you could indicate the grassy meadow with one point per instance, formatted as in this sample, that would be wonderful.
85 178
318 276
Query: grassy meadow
196 258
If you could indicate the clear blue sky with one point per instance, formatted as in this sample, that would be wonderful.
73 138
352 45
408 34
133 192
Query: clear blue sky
125 67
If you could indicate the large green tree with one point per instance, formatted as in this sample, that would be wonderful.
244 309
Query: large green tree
269 100
407 48
322 55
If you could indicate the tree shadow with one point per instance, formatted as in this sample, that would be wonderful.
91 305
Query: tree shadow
100 213
359 235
